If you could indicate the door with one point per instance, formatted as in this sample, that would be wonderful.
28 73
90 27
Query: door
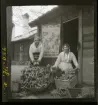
70 35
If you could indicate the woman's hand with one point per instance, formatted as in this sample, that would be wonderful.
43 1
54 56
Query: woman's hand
39 60
75 70
72 70
37 63
53 68
34 63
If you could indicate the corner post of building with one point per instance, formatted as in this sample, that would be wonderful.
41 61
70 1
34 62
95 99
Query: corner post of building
39 30
80 51
12 43
61 34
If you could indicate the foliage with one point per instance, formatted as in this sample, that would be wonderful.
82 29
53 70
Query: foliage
35 78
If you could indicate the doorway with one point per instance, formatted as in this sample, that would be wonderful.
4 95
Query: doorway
70 35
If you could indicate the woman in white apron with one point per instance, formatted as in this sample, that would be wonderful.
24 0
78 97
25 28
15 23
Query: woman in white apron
36 51
64 59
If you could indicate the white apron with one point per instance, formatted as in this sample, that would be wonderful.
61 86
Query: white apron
64 61
65 64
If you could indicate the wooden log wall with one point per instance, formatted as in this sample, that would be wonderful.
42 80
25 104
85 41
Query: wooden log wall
88 45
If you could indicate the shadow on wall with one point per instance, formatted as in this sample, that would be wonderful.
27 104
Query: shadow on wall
45 61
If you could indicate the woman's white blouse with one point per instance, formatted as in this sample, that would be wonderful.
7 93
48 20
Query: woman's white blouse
67 58
33 49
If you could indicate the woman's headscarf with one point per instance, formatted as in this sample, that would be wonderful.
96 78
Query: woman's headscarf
67 45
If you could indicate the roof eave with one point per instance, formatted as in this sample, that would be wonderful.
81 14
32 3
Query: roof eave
45 17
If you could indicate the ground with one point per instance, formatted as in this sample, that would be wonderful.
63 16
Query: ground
15 75
16 71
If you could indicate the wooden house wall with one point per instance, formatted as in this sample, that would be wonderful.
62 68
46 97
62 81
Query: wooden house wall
51 33
70 12
12 48
16 49
51 39
87 41
88 44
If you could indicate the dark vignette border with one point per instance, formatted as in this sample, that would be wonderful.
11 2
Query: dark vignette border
6 41
95 52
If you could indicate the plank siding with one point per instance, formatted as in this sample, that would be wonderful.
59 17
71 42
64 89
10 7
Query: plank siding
88 45
88 37
88 53
16 49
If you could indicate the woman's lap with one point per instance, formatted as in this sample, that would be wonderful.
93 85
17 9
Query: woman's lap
65 66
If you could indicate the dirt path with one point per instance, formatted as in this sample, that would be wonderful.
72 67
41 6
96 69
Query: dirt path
16 71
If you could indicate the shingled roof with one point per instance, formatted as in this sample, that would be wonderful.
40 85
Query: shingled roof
28 35
46 17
